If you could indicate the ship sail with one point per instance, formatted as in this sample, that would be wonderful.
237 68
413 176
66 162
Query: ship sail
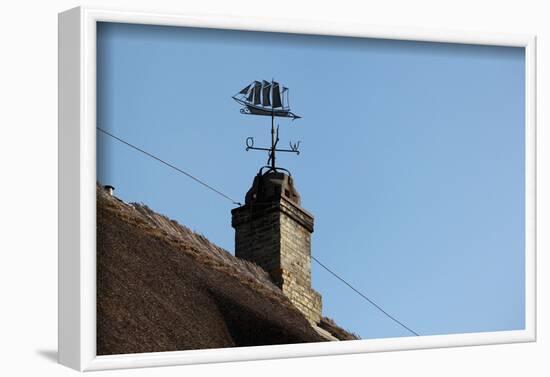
266 88
257 92
250 94
286 104
276 95
245 90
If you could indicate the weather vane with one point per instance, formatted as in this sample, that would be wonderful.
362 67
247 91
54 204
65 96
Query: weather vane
267 98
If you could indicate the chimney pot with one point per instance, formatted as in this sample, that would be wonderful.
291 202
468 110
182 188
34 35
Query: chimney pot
110 189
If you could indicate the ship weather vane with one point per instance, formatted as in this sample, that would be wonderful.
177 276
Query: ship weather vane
267 98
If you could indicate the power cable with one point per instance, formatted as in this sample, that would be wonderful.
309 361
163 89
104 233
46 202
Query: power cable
365 297
171 166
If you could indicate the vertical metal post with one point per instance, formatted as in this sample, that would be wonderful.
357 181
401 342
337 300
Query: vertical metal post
273 141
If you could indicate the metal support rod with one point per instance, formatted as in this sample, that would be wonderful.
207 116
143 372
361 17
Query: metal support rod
272 140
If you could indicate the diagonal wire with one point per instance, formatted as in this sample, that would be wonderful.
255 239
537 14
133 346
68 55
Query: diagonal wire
171 166
365 297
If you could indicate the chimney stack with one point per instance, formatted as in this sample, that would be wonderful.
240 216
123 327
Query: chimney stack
274 231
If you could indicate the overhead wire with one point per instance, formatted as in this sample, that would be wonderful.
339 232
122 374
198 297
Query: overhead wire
200 181
365 297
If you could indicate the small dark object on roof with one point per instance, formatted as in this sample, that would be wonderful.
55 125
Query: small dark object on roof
110 189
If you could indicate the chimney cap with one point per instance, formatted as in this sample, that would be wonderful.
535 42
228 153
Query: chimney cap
271 186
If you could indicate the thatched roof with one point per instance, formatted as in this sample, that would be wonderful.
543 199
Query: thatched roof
162 287
339 333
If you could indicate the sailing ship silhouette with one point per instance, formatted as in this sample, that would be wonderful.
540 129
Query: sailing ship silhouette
265 98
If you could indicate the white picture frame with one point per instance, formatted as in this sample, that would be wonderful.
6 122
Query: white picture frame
77 190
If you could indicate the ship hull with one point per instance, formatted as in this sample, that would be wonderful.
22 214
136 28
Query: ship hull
257 110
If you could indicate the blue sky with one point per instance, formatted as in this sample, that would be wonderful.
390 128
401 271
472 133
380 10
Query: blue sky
412 160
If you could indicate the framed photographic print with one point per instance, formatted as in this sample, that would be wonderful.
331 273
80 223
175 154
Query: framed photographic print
241 189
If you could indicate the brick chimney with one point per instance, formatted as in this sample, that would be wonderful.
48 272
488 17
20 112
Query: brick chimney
274 231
